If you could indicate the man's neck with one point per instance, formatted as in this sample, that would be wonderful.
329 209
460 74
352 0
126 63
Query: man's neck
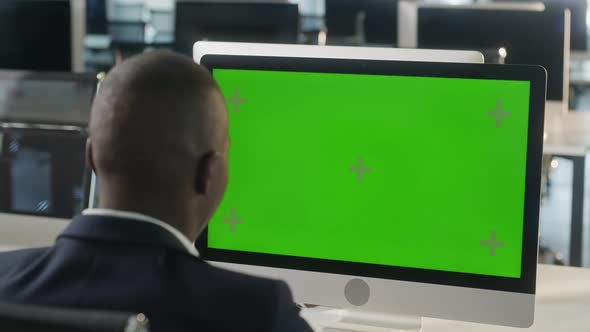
173 215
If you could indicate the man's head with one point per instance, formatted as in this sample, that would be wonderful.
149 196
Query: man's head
158 140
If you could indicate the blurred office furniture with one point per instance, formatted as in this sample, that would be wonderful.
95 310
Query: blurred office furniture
580 81
361 22
42 98
568 137
127 23
526 36
36 35
131 28
128 11
160 28
241 22
43 117
29 318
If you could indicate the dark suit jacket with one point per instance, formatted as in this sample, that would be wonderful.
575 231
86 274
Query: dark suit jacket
123 264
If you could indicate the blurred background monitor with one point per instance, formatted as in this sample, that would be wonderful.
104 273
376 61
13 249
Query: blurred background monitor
96 17
369 21
241 22
579 28
42 171
45 45
528 37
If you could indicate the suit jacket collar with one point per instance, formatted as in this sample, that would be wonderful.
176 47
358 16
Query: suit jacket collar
121 230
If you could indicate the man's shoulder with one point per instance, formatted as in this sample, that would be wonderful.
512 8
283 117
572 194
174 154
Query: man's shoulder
21 255
233 281
248 298
14 259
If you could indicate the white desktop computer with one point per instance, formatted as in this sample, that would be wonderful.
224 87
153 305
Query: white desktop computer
389 190
202 48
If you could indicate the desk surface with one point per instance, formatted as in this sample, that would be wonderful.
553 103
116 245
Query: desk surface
562 304
566 133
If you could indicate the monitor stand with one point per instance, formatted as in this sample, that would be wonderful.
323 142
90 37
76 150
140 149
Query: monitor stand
344 320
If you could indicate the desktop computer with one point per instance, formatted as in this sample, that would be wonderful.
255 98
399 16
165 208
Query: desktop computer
384 188
527 33
237 22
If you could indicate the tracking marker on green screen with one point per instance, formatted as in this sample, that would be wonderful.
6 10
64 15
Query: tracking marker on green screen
499 114
360 169
492 243
236 101
232 220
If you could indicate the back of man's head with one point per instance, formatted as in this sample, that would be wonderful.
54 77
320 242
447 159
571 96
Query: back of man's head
158 137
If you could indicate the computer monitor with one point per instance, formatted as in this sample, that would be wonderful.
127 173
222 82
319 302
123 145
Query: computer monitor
43 183
579 27
404 188
43 171
36 35
539 37
379 23
238 22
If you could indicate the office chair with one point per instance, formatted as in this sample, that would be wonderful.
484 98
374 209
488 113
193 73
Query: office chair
25 318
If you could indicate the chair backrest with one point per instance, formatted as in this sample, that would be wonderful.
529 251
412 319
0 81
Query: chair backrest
25 318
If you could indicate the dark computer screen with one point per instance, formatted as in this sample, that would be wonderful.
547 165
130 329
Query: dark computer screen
35 35
380 22
238 22
578 8
42 172
529 37
96 17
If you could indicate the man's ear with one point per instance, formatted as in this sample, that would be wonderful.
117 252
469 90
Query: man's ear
89 160
204 172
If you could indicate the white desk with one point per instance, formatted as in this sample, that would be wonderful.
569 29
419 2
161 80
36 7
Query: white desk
562 304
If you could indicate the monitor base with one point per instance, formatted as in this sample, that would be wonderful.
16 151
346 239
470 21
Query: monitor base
342 320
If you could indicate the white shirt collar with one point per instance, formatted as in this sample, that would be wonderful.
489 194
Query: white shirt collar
190 247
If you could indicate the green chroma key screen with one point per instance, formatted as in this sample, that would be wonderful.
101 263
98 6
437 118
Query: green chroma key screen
419 172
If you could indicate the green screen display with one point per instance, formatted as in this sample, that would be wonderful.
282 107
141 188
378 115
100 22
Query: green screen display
419 172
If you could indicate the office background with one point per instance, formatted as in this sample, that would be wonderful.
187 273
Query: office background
111 30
